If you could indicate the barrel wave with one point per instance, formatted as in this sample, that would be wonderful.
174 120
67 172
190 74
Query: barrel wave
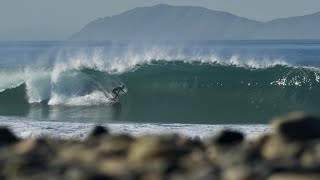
162 91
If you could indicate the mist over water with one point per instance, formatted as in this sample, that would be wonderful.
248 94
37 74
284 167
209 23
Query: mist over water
192 82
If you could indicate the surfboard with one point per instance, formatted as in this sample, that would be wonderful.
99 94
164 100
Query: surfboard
115 100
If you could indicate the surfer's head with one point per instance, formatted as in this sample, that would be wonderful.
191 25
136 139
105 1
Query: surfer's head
122 86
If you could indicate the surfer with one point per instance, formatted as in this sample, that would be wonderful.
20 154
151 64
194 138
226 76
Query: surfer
116 91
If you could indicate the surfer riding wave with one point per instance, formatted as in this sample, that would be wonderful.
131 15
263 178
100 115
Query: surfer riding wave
116 91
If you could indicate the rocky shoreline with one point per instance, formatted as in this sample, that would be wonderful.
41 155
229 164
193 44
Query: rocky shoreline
290 151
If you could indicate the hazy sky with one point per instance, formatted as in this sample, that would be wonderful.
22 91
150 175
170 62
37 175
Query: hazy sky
58 19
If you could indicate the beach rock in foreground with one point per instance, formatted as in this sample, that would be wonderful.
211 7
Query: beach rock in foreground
297 127
7 137
290 151
227 137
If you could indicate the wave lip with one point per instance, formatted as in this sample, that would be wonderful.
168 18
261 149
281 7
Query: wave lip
131 58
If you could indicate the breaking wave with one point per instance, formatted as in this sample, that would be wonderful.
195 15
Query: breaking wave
166 85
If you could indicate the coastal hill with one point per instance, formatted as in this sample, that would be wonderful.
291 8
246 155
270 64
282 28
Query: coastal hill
166 22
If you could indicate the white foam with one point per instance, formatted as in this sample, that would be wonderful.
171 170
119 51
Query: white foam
299 80
28 129
38 84
94 98
10 79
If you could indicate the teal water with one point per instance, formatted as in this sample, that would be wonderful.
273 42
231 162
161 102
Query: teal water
240 82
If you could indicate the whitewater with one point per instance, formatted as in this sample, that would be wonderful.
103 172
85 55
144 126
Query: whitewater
169 85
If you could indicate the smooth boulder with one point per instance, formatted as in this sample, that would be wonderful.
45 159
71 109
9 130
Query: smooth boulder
297 127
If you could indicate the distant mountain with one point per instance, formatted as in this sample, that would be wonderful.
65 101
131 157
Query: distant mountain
300 27
165 22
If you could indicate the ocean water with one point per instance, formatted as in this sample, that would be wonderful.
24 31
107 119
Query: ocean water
204 83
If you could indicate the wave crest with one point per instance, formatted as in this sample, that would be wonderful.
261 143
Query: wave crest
87 78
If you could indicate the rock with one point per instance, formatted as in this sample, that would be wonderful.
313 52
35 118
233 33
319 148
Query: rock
310 157
203 173
229 156
31 158
242 173
7 137
193 143
159 167
259 141
116 145
36 146
227 137
195 160
297 127
151 148
25 166
75 173
288 140
281 152
280 155
226 148
294 176
78 173
94 137
77 154
98 131
114 166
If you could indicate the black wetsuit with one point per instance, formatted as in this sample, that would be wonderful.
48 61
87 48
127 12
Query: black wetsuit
116 91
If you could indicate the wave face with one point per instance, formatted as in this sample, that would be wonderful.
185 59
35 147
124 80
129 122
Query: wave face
162 85
162 90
